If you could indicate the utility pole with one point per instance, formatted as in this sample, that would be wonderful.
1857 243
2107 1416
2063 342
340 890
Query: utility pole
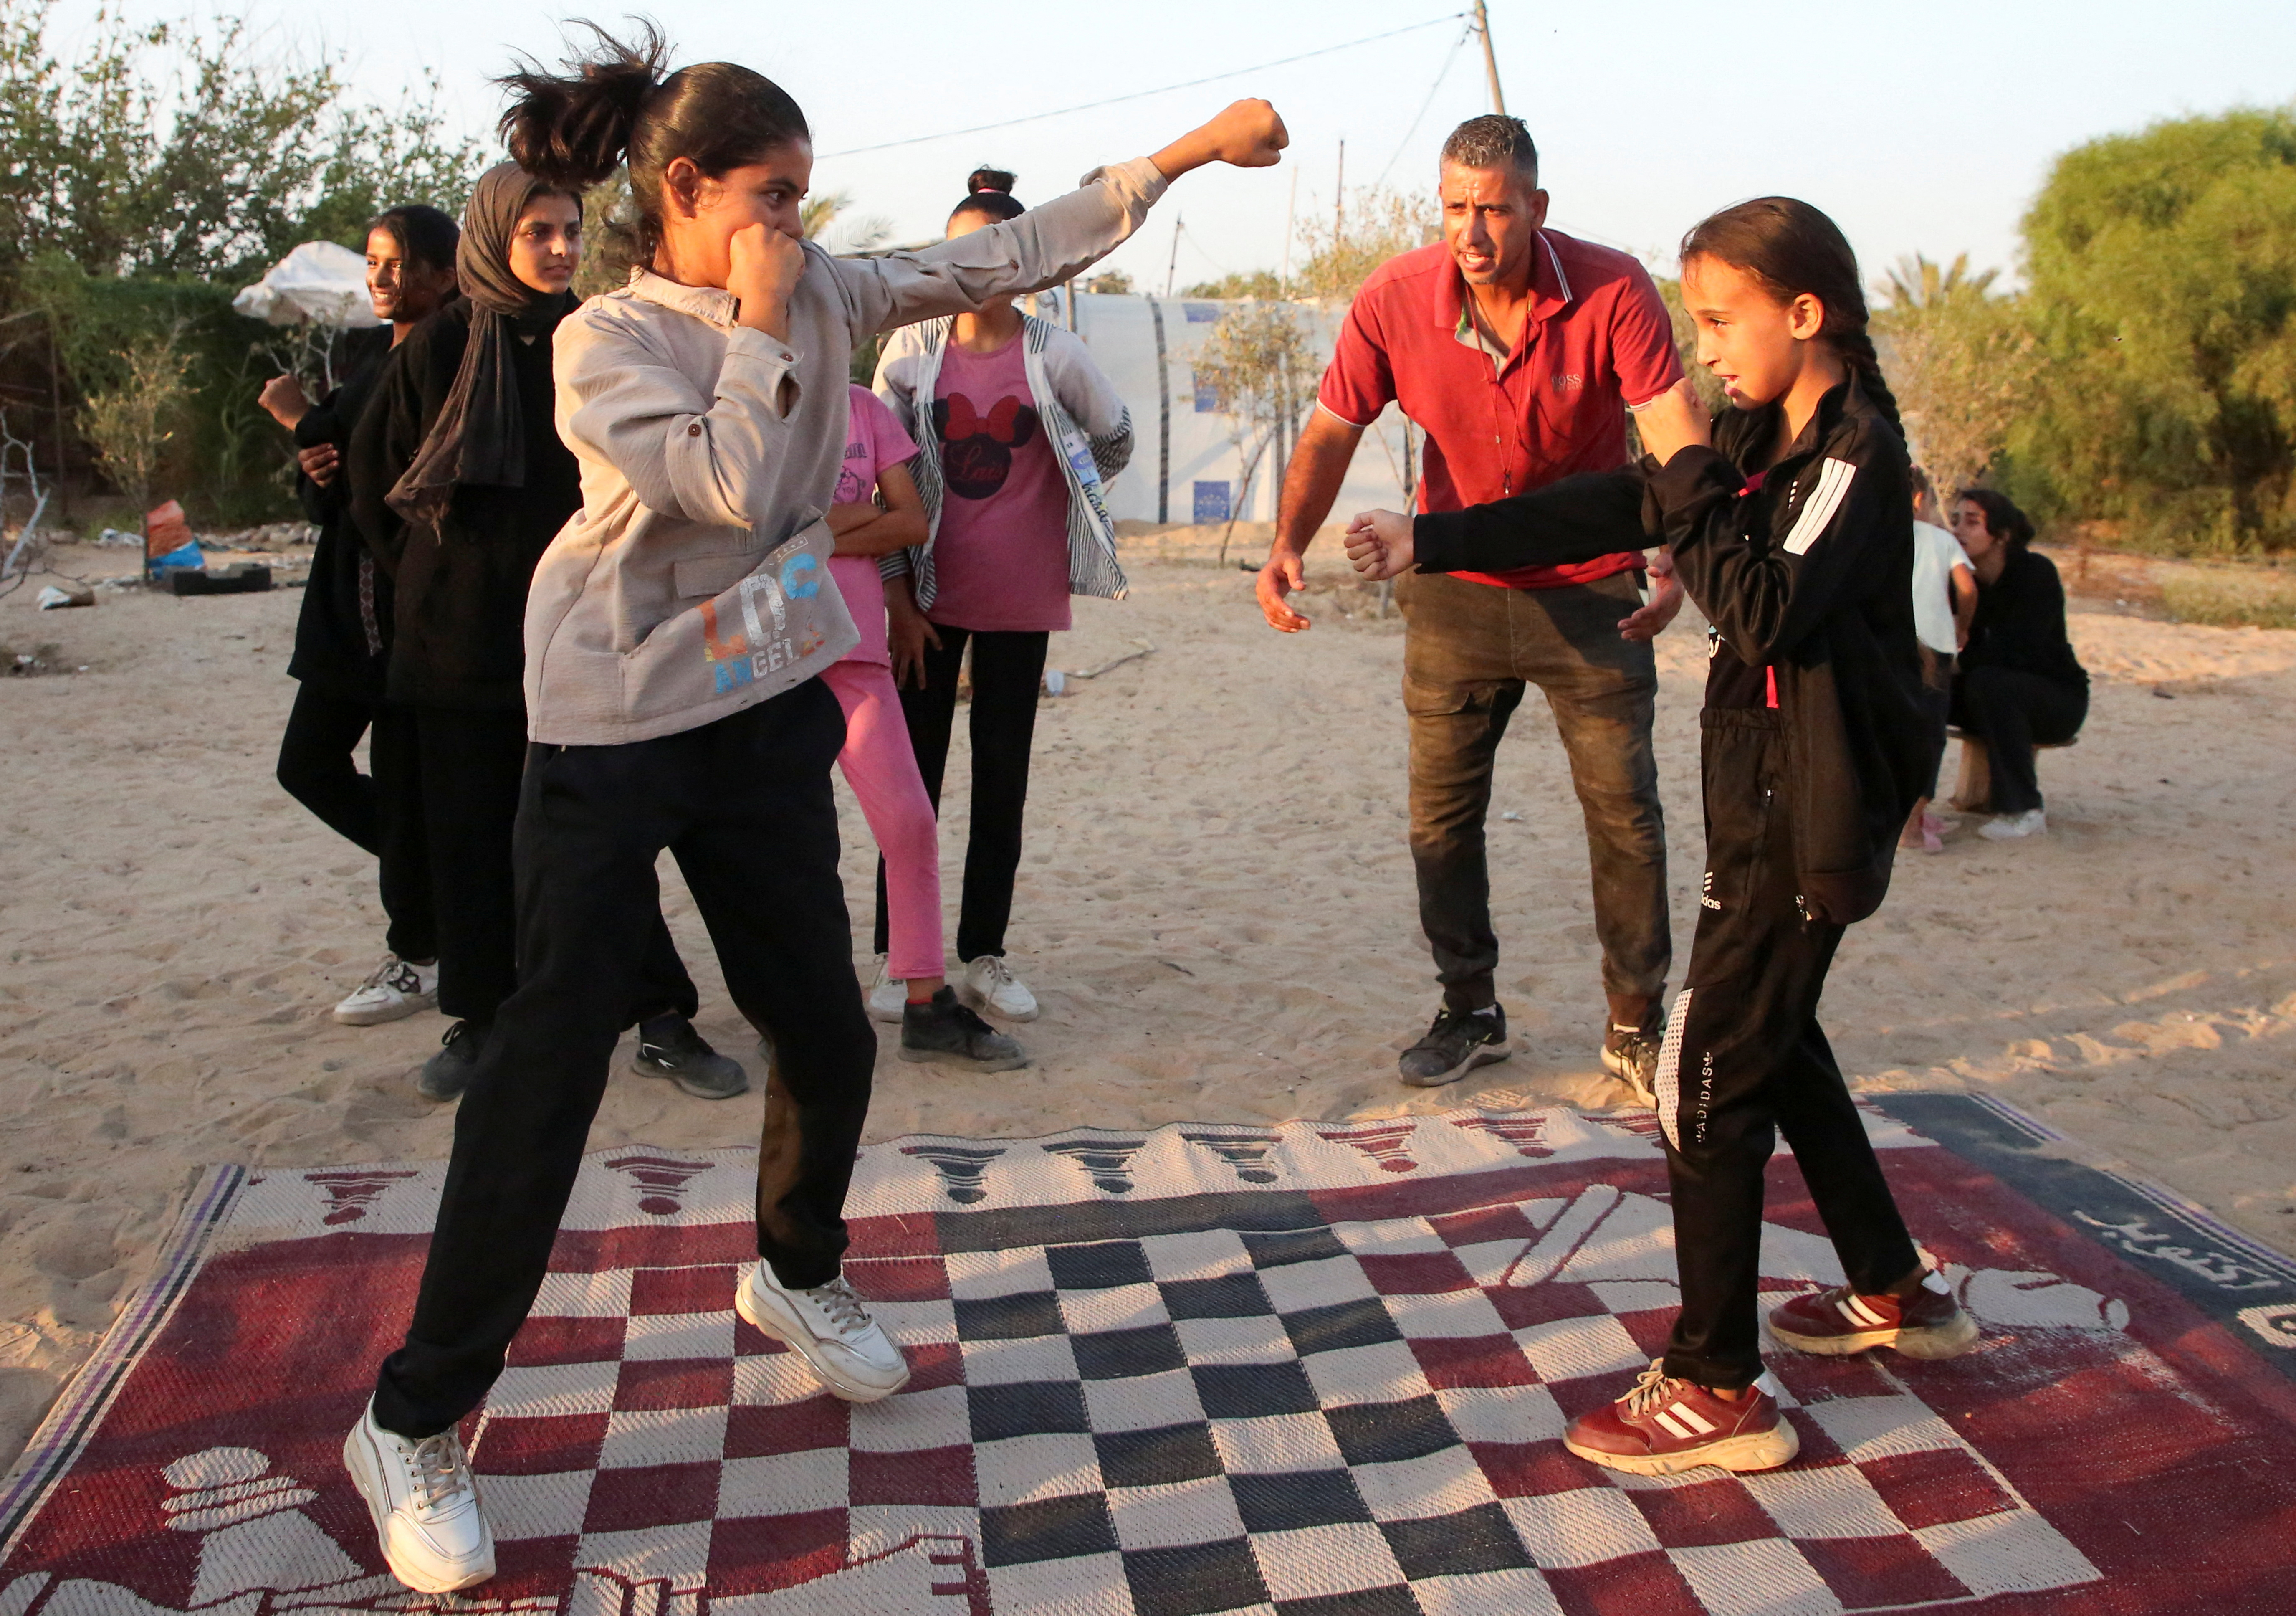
1482 25
1339 197
1172 268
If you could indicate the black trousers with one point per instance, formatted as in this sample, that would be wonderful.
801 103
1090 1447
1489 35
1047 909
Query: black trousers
380 810
1008 671
472 761
1744 1059
2013 712
1470 652
744 805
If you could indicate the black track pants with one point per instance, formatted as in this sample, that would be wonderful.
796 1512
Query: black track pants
1744 1059
744 806
380 810
1008 671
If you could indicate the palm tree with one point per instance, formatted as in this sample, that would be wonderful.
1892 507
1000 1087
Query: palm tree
1917 283
818 213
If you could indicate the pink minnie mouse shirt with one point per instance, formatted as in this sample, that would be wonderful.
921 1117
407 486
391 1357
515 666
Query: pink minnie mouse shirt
874 440
1001 556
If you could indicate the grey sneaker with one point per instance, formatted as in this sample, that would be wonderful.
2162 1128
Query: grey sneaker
1631 1055
1459 1041
447 1074
669 1048
944 1029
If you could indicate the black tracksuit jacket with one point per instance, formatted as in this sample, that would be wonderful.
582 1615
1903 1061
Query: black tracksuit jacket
1805 575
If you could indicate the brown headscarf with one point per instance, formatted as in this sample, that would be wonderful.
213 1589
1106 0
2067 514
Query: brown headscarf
479 437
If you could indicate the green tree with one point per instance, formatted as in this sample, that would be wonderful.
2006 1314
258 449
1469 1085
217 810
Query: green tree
2161 275
174 151
1253 283
1960 361
1375 225
1259 368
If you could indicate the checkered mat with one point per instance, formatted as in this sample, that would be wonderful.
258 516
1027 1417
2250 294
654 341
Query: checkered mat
1319 1370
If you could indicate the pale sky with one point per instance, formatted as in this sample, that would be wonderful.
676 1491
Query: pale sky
1919 127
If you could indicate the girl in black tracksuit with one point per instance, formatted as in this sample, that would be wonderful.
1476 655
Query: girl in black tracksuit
1793 534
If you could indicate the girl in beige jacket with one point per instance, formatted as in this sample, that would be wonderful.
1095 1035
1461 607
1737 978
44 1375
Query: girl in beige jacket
672 634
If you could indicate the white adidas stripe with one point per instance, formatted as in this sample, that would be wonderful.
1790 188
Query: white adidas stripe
1833 487
1666 1086
1855 1309
1674 1428
1691 1416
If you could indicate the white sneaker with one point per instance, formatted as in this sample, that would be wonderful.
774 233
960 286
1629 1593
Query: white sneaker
887 997
830 1328
435 1537
2014 828
990 985
398 988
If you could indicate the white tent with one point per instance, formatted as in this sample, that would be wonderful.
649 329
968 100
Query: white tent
1184 465
321 281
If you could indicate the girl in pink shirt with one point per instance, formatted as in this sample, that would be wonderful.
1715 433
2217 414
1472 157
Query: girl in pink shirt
878 511
1020 429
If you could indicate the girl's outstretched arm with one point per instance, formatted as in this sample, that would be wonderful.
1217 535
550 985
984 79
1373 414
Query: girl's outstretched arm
1576 520
1049 244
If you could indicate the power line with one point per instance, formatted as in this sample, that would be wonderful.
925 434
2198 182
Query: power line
1444 72
1006 123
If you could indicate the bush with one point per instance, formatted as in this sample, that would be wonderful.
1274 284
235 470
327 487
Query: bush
2162 298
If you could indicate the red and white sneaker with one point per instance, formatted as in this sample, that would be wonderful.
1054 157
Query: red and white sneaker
1840 1322
1663 1426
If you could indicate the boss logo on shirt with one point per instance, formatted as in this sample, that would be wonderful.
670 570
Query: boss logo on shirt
1569 381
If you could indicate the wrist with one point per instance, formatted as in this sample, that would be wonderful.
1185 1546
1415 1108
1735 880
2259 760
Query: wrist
1191 151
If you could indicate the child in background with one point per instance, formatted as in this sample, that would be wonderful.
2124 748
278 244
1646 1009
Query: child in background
1023 429
1792 535
877 512
1945 599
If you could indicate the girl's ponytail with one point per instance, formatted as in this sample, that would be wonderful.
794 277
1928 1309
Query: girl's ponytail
615 108
572 130
1792 249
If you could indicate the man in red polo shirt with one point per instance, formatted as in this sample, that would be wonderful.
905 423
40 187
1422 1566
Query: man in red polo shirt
1518 351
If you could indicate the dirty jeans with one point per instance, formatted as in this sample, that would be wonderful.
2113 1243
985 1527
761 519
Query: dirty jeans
1468 652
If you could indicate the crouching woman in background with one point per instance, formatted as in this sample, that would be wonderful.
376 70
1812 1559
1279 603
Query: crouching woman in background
2018 684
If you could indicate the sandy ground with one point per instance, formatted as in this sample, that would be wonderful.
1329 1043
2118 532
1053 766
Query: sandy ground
1217 910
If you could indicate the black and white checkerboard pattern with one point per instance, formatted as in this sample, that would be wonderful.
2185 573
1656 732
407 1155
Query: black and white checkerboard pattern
1236 1405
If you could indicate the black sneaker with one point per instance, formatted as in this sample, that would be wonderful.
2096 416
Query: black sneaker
1631 1055
945 1028
1458 1042
669 1048
447 1074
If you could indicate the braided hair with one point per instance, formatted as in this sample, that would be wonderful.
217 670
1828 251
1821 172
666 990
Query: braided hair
1792 249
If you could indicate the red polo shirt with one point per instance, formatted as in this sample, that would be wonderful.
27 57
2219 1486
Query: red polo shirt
1598 339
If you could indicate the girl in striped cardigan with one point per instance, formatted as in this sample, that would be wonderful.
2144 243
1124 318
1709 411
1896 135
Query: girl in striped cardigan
1020 429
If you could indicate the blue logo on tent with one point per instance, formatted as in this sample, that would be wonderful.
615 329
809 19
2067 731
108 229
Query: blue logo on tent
1202 314
1207 394
1212 501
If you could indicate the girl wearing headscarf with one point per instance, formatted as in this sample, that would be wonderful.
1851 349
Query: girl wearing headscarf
459 484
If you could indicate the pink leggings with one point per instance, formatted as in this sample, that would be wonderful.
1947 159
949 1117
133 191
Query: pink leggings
881 766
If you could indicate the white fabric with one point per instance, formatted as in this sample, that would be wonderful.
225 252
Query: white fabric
324 282
1936 553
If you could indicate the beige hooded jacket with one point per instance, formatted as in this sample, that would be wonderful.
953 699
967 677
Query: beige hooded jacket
692 583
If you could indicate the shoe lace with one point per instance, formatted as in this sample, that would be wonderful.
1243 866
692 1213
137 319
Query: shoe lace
439 1475
382 972
993 967
1652 1389
841 1308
